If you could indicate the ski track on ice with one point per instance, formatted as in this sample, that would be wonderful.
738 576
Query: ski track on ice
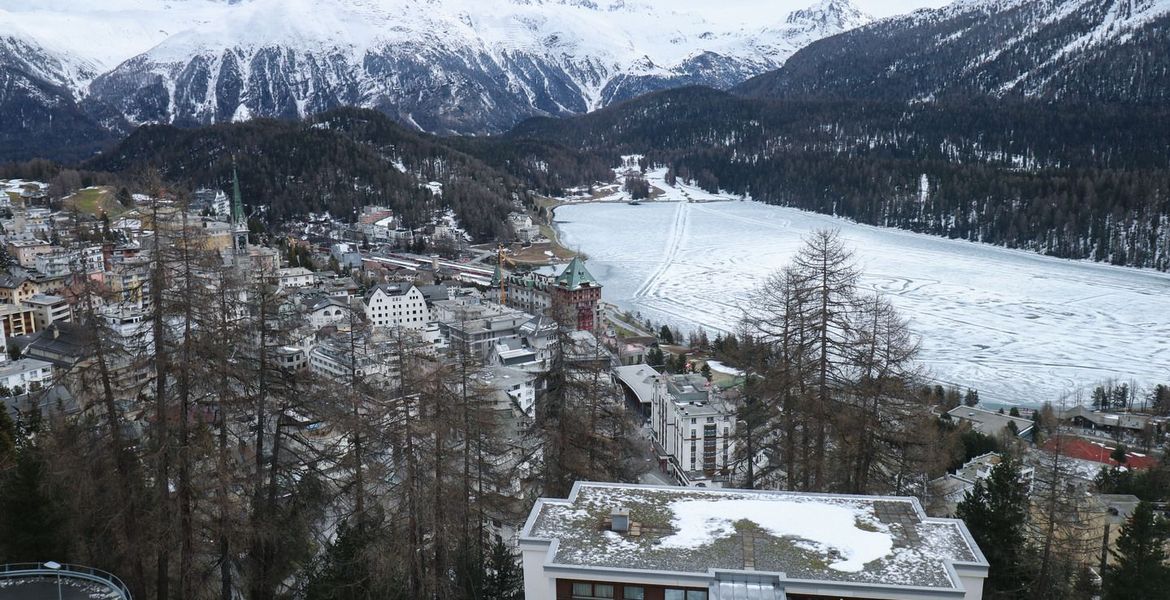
674 242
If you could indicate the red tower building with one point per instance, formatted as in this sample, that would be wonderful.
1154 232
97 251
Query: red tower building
575 292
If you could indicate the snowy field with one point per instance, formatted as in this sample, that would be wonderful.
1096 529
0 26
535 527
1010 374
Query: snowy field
1019 327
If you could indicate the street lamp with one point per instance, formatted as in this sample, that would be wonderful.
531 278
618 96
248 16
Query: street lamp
56 566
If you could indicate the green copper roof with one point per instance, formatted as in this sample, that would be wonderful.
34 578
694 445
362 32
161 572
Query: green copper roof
575 275
497 276
237 201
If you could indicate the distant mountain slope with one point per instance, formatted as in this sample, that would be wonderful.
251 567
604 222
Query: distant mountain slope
442 66
1053 50
342 160
39 112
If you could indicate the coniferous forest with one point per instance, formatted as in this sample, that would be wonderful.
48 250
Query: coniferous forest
1074 181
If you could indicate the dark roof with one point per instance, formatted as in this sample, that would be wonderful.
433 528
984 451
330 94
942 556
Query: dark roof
434 292
390 289
62 343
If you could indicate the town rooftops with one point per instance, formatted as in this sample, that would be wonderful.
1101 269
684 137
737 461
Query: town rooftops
805 543
575 276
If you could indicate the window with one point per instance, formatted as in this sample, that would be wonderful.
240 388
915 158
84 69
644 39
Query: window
633 592
592 590
685 594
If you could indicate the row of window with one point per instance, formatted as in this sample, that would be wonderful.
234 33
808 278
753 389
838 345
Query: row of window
605 591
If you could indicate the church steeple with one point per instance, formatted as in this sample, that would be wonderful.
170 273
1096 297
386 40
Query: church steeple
239 222
237 200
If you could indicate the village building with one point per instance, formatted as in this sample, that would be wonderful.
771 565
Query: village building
294 278
49 309
25 252
621 541
693 429
574 294
512 389
397 305
478 326
993 423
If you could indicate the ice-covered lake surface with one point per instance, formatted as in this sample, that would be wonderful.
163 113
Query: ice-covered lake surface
1019 327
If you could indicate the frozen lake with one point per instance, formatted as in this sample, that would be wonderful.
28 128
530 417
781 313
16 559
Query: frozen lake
1019 327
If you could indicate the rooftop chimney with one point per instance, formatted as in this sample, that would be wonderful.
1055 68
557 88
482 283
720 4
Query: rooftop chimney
620 520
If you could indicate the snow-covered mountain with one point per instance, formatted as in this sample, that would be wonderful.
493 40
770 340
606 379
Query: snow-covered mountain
467 66
1056 50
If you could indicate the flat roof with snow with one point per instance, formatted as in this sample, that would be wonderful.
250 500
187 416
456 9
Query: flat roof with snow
819 539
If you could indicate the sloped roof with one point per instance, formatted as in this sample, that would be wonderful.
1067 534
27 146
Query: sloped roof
576 275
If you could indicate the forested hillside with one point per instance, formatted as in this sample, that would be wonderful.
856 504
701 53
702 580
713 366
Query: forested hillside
1076 181
345 159
1100 51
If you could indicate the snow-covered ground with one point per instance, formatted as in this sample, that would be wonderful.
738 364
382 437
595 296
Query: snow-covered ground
1019 327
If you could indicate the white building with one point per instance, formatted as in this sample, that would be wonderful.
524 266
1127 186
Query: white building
621 541
49 309
514 389
325 311
58 263
371 356
294 277
694 428
397 305
27 374
478 325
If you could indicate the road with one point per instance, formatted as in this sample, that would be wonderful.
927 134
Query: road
611 313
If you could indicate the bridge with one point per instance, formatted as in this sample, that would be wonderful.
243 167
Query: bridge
39 581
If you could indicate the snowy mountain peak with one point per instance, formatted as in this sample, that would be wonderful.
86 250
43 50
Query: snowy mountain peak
838 15
464 66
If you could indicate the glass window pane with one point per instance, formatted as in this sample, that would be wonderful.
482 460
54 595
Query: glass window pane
601 590
634 593
583 589
675 595
696 595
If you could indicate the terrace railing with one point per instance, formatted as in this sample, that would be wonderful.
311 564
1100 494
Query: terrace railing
39 570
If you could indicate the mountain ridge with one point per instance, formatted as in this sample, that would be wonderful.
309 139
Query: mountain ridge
441 66
1051 50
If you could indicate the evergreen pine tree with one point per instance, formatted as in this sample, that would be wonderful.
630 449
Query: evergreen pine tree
1141 570
996 513
32 521
504 578
665 335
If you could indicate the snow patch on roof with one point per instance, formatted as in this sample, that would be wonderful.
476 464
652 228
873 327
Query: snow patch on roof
832 530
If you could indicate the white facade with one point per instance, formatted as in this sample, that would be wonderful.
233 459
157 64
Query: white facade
294 277
57 264
329 312
28 374
514 388
397 306
49 309
693 427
